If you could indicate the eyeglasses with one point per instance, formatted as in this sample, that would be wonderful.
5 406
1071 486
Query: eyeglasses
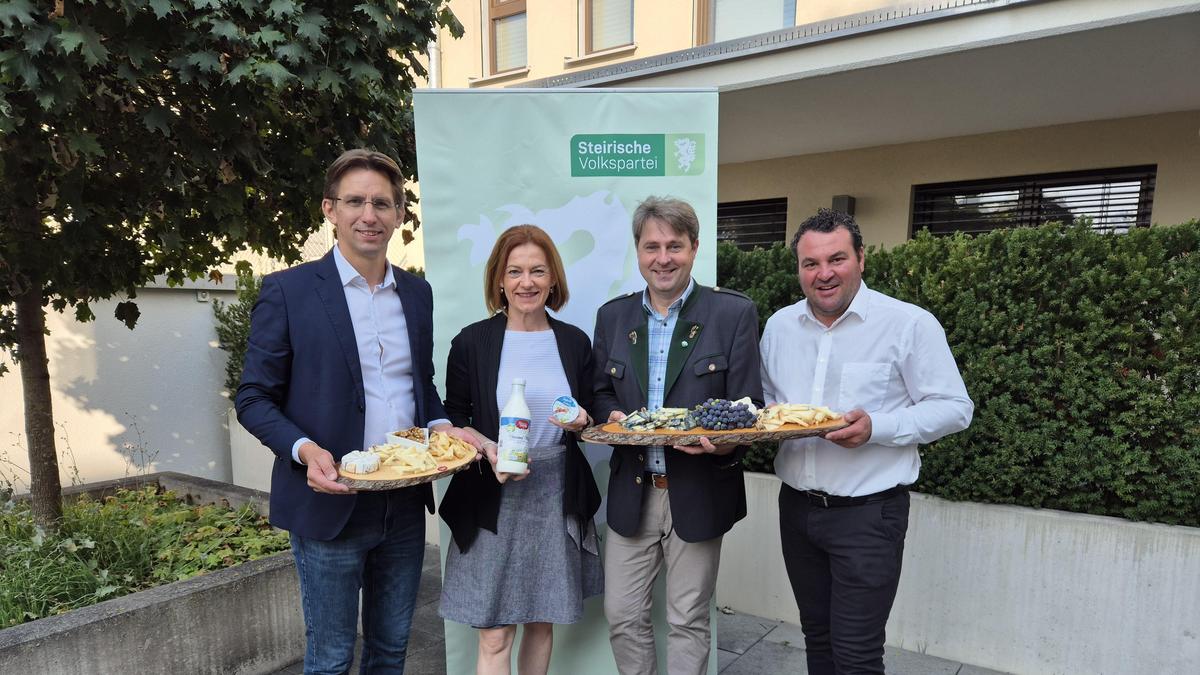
356 204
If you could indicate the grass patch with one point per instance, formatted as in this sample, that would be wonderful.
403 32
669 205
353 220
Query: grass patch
129 542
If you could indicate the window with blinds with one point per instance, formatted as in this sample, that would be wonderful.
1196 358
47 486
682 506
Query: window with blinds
760 223
508 35
609 24
1112 200
733 19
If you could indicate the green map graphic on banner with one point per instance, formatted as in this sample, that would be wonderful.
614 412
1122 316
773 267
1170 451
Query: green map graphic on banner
631 155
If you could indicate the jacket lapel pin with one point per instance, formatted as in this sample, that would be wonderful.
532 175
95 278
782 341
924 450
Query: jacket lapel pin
633 337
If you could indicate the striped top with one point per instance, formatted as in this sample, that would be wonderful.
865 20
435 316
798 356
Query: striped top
533 355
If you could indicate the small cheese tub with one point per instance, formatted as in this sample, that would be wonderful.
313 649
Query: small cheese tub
566 409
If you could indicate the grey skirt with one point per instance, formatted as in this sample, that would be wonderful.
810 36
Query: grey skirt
538 567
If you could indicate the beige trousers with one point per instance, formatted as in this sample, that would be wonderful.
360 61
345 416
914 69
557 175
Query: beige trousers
631 565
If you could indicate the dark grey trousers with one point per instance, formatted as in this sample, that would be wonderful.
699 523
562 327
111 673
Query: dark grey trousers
844 566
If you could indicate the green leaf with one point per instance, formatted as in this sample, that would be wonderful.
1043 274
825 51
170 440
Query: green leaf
138 53
226 29
162 8
158 119
446 19
281 8
206 4
268 36
273 71
293 52
311 26
86 144
37 38
127 73
361 70
242 70
87 41
18 64
127 312
382 21
330 80
17 11
205 62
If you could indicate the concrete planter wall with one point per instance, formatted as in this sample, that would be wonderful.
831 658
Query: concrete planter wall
1016 589
245 619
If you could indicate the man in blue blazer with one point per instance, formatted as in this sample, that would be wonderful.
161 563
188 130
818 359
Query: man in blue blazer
340 353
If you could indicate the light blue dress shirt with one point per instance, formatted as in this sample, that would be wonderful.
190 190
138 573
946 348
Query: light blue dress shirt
659 330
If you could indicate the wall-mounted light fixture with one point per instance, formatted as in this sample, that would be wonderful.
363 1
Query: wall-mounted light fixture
843 203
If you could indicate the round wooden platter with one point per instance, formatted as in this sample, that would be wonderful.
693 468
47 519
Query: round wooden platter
389 477
613 434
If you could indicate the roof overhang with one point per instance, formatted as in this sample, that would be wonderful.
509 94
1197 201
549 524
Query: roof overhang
980 67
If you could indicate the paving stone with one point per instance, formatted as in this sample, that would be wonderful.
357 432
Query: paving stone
428 661
977 670
738 632
432 561
724 659
421 639
769 657
902 662
425 617
296 668
430 589
786 634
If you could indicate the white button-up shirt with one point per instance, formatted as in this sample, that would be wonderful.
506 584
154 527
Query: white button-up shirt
889 358
381 333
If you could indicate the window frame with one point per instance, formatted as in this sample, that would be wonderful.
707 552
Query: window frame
764 208
588 48
1030 188
502 9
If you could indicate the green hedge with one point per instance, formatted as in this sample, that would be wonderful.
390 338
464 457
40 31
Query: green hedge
1080 350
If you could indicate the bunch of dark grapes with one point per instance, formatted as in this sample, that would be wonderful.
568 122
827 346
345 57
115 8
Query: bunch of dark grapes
719 414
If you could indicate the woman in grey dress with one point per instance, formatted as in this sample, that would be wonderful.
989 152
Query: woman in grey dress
524 548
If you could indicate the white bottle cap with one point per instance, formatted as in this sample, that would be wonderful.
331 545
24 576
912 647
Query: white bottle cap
519 380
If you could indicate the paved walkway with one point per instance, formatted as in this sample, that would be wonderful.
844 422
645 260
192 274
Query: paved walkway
746 645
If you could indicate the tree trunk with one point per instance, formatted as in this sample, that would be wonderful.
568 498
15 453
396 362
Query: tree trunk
44 485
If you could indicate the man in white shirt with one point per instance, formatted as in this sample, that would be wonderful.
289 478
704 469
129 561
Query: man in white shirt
843 506
340 353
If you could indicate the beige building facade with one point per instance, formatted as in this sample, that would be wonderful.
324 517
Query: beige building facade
925 113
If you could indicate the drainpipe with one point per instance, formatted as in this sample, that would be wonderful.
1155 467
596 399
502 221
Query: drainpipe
435 65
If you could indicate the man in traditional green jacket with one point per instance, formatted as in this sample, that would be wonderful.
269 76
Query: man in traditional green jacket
675 344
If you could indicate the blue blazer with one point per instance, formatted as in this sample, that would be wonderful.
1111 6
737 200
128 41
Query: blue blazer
302 378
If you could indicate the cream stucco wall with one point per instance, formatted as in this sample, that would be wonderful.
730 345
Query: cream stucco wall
127 401
881 178
554 34
555 42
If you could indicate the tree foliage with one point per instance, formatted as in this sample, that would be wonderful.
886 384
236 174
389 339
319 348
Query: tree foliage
1079 350
144 138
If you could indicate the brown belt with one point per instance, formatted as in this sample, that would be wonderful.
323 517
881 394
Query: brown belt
658 480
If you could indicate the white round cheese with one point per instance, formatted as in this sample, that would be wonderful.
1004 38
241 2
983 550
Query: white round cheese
360 462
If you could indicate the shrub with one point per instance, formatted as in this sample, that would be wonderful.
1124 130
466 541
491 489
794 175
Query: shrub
120 544
233 326
1078 348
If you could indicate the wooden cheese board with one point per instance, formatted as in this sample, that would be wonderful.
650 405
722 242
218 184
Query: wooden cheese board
613 433
390 477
